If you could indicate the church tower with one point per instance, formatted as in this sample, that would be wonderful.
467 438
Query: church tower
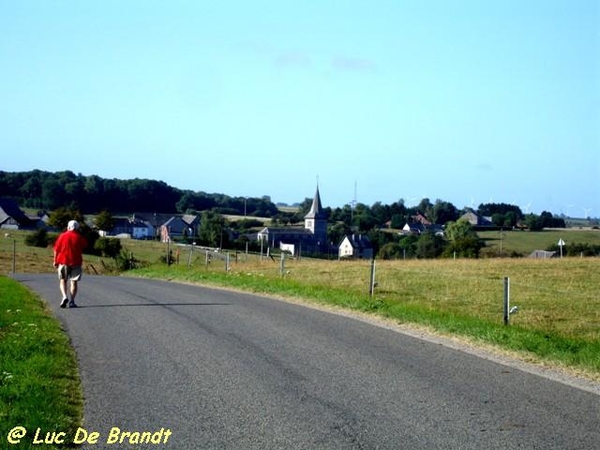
316 220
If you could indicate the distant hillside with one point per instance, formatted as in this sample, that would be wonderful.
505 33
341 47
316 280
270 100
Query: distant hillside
42 190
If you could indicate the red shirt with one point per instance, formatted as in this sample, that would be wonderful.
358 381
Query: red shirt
68 248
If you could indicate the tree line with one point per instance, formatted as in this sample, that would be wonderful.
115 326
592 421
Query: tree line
92 194
48 191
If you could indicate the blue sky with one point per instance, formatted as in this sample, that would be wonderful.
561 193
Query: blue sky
465 101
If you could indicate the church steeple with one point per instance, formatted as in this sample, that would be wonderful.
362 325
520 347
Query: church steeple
316 210
316 219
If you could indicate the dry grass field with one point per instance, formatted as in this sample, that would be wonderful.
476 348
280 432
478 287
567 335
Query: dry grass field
14 254
559 295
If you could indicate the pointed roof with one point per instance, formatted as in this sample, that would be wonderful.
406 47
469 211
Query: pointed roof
316 210
10 209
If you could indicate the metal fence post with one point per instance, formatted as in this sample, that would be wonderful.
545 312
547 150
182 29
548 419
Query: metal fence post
190 257
506 300
372 280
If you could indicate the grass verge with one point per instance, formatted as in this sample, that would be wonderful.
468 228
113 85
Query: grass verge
39 379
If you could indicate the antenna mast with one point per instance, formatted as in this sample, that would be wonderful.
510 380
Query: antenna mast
353 204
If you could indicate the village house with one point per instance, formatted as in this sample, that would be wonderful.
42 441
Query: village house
179 227
420 224
130 227
476 220
355 246
13 218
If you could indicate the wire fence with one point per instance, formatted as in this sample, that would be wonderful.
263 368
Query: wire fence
550 294
562 294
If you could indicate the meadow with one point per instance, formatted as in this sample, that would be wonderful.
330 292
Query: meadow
525 242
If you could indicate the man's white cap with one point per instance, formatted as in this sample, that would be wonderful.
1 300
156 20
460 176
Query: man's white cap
73 225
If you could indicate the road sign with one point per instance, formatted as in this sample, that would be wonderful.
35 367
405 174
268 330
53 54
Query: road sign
560 244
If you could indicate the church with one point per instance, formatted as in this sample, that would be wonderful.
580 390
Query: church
310 239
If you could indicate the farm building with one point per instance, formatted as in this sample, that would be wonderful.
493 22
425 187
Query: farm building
13 218
476 220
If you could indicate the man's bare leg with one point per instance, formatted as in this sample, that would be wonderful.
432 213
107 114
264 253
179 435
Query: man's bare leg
63 290
73 290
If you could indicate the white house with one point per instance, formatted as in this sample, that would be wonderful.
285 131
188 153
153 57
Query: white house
355 246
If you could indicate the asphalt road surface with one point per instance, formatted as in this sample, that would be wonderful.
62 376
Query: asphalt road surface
198 368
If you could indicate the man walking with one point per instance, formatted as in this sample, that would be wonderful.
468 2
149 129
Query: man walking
68 259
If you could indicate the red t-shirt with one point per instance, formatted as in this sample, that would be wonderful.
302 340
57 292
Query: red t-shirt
69 248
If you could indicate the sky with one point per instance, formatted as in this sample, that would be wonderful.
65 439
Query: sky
375 101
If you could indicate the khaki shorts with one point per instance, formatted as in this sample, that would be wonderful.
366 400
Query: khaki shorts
69 272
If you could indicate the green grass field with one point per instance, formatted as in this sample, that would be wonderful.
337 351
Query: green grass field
525 242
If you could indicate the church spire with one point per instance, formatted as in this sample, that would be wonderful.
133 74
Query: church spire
316 209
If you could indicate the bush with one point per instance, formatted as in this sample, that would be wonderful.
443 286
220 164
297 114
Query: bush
464 247
429 245
38 239
126 261
108 247
391 250
577 249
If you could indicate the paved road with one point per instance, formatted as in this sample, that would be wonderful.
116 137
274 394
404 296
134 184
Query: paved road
224 370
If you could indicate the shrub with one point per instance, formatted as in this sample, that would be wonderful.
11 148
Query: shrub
38 239
108 247
126 261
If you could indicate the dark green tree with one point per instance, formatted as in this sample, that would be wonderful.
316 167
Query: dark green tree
52 194
337 231
409 245
59 218
213 230
397 221
363 219
391 250
108 247
443 212
38 238
462 239
534 222
104 221
429 245
425 207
